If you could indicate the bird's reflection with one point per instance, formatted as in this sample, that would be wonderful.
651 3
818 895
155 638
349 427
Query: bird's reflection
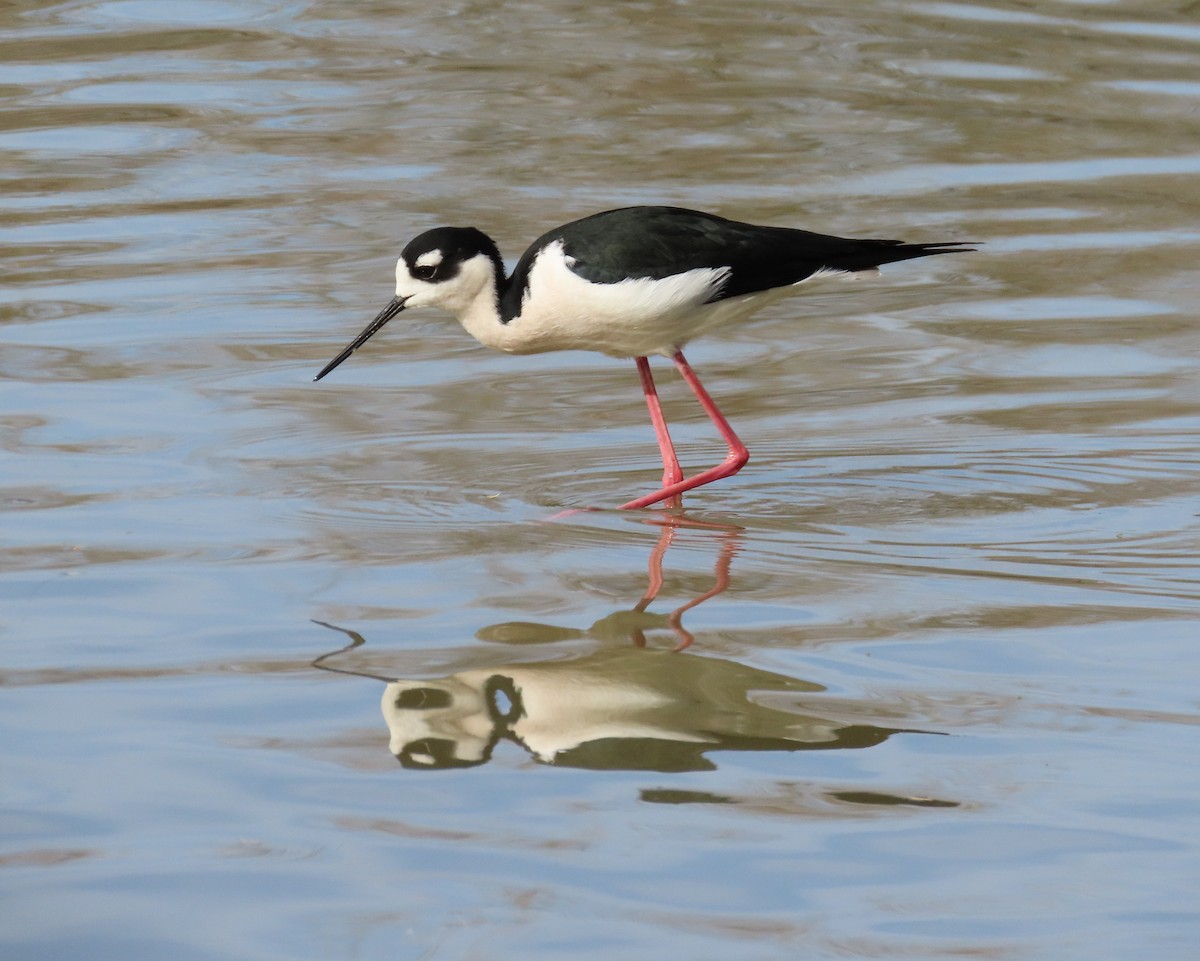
606 705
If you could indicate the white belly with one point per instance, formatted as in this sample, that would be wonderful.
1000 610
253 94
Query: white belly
632 318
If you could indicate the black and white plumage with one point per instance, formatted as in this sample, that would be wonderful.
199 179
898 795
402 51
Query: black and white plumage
628 283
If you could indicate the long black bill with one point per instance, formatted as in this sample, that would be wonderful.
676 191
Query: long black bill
395 305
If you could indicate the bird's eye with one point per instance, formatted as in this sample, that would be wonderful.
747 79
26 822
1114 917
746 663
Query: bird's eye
424 271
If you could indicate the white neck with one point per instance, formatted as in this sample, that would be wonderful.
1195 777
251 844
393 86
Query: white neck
474 298
480 316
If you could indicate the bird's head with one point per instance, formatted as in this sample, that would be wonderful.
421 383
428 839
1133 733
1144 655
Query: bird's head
447 267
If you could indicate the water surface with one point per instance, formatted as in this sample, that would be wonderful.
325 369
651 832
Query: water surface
300 671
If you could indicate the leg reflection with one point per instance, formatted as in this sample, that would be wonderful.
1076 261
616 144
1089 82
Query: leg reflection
671 525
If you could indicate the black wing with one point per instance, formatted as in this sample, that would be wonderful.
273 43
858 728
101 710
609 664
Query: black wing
658 242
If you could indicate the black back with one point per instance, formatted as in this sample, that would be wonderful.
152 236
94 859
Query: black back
658 242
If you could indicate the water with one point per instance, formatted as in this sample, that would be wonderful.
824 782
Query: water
935 692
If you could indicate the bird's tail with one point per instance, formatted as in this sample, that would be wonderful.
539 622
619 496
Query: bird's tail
861 255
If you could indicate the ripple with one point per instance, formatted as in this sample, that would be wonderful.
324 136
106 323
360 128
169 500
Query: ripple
105 138
1173 88
1097 307
994 175
974 70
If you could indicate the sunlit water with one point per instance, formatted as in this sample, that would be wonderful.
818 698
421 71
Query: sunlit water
300 671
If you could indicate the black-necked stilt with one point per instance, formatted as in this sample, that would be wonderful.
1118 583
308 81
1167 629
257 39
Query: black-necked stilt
627 283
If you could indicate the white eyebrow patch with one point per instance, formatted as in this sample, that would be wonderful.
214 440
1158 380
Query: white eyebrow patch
429 259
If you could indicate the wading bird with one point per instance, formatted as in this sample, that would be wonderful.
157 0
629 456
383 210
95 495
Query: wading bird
627 283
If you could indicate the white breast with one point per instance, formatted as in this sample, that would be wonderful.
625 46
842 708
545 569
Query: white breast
562 311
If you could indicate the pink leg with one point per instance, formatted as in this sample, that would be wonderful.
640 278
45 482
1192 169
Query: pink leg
734 461
672 474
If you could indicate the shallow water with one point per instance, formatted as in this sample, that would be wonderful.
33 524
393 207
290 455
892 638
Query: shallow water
935 689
